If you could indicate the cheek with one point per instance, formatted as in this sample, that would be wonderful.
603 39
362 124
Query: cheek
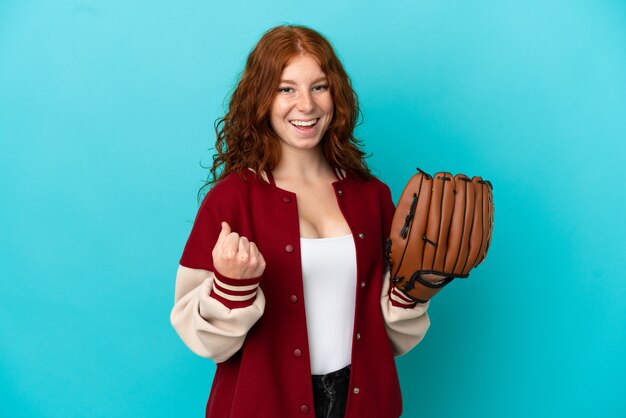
330 110
274 118
278 111
329 106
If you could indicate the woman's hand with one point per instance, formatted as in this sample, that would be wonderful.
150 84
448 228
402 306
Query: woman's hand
236 257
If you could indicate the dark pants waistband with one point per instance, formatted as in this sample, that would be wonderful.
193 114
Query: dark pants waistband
330 393
337 374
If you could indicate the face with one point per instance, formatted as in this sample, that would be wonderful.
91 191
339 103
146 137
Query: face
303 106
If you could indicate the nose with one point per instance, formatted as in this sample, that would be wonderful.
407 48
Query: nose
305 102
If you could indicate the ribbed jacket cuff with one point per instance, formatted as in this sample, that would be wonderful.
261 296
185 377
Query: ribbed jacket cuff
234 293
400 300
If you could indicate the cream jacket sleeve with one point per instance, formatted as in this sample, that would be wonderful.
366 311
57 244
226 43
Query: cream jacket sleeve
212 315
406 321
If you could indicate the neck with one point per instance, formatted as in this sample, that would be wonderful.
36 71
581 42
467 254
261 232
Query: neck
298 164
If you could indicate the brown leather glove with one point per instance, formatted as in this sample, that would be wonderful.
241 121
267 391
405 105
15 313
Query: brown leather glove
442 225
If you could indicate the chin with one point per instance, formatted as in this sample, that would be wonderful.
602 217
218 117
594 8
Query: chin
300 143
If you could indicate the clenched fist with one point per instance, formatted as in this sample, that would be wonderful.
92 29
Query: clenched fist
235 256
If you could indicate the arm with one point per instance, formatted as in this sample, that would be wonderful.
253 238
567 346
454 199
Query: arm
213 312
406 321
212 315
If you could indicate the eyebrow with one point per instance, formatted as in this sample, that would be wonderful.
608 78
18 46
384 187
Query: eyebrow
317 80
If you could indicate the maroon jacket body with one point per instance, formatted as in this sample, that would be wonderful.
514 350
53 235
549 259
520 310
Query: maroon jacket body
270 375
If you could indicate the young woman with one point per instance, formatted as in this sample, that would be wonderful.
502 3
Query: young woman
282 281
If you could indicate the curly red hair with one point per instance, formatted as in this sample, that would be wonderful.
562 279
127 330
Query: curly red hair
245 138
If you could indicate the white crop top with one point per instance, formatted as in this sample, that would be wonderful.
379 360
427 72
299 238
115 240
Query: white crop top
329 279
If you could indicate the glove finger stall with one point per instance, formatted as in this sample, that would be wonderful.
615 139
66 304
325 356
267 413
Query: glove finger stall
439 219
458 238
476 233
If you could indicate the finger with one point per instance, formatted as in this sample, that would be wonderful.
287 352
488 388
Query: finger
261 261
230 246
224 232
258 255
254 250
244 249
255 254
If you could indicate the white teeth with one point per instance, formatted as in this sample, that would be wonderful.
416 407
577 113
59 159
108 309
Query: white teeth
304 123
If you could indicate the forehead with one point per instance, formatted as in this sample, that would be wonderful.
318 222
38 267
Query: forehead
302 67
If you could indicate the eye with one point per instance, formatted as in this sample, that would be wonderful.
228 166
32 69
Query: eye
285 89
320 87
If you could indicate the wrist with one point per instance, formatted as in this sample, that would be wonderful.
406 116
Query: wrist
234 293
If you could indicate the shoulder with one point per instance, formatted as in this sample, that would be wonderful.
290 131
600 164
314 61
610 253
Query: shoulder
233 183
376 190
373 184
230 191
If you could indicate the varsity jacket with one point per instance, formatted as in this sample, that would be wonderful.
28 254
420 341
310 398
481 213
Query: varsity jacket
255 329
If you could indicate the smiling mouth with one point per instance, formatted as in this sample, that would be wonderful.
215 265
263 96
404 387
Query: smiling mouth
304 123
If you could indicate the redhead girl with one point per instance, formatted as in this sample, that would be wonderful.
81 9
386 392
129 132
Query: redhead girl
283 282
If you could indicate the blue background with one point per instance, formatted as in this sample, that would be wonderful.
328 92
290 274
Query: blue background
107 111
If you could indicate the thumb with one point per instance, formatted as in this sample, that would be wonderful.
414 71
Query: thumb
225 231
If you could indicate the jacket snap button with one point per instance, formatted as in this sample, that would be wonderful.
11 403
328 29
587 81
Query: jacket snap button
340 192
286 199
289 248
297 352
355 390
304 409
358 336
293 298
361 235
362 284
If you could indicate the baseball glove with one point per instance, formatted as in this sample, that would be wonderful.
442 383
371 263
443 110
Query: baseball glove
442 225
